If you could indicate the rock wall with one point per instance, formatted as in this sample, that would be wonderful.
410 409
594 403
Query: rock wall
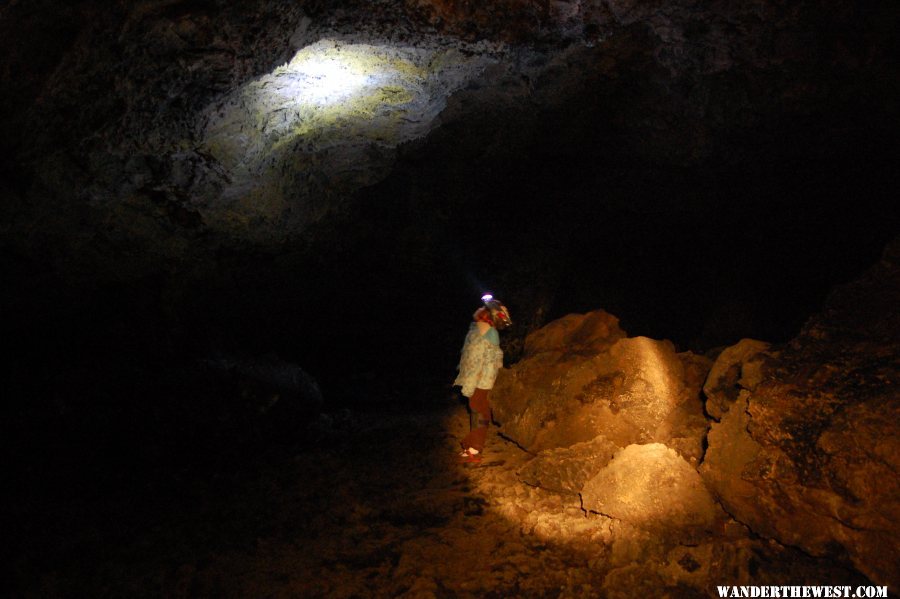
809 452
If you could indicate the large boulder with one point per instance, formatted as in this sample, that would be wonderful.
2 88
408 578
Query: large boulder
809 454
582 378
654 488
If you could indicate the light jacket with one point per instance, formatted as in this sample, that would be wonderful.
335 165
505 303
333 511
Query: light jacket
480 362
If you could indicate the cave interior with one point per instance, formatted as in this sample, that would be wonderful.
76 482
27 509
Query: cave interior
225 224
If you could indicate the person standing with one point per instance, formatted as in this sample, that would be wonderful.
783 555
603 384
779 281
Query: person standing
479 364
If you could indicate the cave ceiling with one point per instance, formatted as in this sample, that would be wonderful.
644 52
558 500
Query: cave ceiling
170 128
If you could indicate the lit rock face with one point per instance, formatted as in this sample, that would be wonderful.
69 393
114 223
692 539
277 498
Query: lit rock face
615 420
566 469
582 379
737 367
809 452
653 488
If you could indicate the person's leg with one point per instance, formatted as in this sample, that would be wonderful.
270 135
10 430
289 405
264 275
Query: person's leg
474 418
480 419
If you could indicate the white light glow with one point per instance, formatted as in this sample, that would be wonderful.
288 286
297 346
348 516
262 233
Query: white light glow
325 80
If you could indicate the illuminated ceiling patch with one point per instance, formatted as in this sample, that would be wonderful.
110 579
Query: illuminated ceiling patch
325 80
336 93
325 123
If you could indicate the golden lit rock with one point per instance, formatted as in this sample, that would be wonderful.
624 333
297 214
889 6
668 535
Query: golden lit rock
630 390
652 487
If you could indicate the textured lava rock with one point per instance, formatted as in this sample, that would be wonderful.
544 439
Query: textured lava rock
591 381
591 333
652 487
566 469
737 367
810 455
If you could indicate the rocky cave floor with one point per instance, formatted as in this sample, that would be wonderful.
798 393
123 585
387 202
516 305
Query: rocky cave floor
378 506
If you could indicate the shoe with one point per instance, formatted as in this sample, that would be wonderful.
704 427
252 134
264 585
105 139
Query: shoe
469 458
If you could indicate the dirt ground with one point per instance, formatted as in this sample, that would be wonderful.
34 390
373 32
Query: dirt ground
378 506
390 512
